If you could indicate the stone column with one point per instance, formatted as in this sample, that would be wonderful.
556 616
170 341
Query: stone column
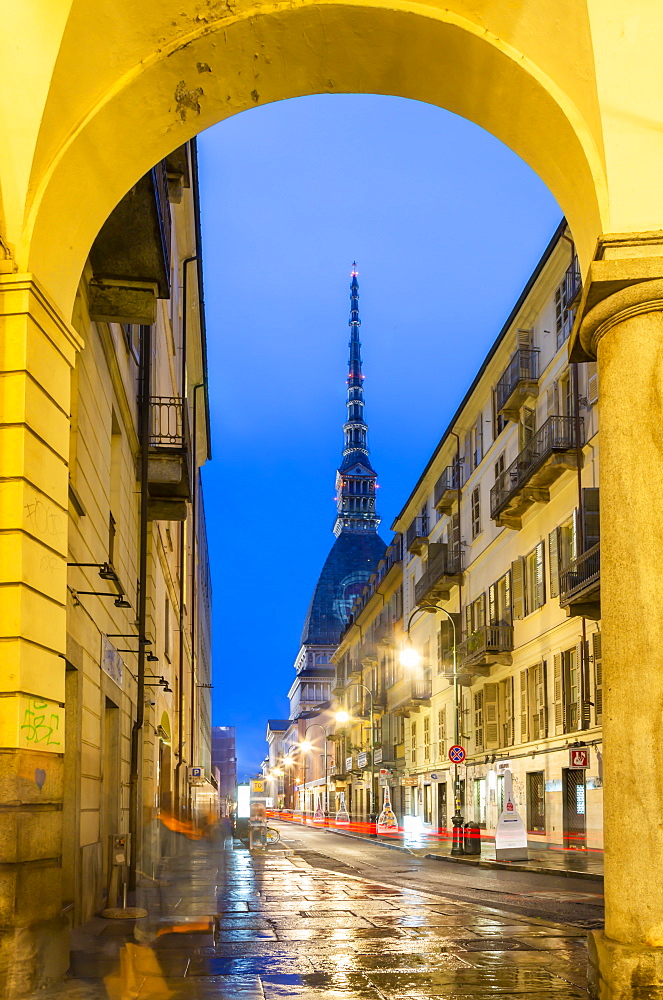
624 330
37 351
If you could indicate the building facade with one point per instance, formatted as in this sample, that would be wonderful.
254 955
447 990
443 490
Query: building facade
224 758
499 560
124 744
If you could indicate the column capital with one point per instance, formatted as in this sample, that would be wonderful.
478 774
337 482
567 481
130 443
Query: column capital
624 279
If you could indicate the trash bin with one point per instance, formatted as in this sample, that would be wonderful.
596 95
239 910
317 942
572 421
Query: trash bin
471 839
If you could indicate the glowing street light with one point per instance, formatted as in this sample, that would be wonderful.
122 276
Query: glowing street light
409 657
342 717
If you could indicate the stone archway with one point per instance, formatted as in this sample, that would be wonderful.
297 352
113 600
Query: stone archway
572 86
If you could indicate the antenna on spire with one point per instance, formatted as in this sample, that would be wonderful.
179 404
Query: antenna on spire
354 272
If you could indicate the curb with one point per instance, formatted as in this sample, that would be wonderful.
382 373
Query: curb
516 866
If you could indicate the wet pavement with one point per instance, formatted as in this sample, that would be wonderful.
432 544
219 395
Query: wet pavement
226 923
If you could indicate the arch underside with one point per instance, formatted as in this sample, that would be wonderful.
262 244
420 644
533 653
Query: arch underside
233 62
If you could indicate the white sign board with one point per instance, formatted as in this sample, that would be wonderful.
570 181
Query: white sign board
510 833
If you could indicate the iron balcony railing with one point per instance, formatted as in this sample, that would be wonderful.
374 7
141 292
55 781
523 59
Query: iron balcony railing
580 574
417 530
556 434
572 282
486 640
422 689
451 479
443 565
168 422
523 367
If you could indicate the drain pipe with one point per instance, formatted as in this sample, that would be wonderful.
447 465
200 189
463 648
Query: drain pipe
584 660
194 579
179 782
137 729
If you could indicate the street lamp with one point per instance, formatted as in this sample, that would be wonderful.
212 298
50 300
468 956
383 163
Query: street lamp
307 745
410 658
344 717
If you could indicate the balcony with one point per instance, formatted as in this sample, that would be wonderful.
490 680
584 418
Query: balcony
441 575
411 696
519 381
384 753
416 538
550 452
169 473
487 646
384 634
368 654
580 585
130 257
446 488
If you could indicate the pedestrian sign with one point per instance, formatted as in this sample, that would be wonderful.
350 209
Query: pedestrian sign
457 755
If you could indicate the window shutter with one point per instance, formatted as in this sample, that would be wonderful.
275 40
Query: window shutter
508 710
540 575
524 715
575 535
591 531
468 620
479 438
493 401
542 699
492 604
518 582
478 720
481 611
468 455
491 716
553 560
507 594
598 677
580 659
592 382
551 400
524 339
558 690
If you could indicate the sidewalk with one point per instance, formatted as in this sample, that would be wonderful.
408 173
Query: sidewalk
229 924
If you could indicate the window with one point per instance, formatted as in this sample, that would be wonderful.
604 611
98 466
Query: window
533 703
527 425
536 802
476 512
427 738
567 668
445 643
529 586
413 742
476 446
442 734
480 802
166 631
565 395
453 538
499 466
499 421
505 713
499 601
475 615
563 315
478 721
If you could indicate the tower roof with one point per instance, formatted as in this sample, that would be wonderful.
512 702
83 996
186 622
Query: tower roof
351 561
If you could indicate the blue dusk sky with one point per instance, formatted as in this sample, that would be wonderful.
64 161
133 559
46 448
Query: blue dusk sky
446 225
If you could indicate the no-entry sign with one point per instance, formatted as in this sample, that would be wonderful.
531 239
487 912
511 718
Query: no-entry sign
457 755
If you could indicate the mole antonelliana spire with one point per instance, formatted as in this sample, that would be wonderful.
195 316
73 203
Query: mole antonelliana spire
358 547
356 479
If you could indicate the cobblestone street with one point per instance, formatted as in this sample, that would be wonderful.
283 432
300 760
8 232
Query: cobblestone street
229 923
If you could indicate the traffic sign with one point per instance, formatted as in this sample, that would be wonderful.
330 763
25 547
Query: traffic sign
579 758
457 755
